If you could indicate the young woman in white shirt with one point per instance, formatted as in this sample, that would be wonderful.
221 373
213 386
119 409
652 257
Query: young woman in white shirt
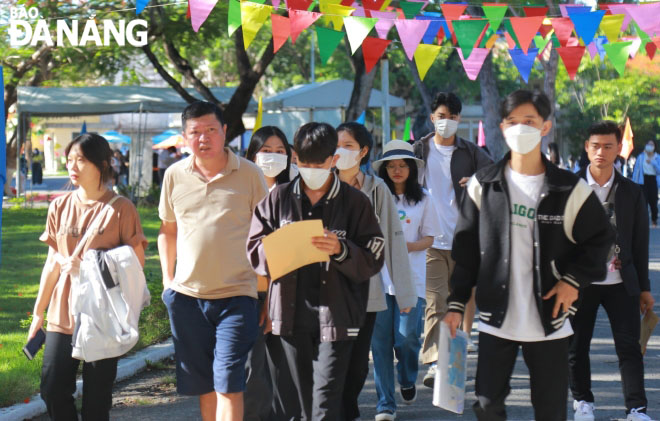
394 330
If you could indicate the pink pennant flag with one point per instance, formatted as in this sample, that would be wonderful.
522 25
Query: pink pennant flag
622 9
647 17
359 11
200 11
481 136
276 4
385 22
473 64
593 49
411 32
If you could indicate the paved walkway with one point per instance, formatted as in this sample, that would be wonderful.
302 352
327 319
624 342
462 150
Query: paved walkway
151 395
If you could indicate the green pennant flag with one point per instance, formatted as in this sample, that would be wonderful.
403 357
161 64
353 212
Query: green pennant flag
258 1
511 32
495 15
234 16
406 130
541 42
617 52
486 38
467 33
555 41
328 42
642 35
411 8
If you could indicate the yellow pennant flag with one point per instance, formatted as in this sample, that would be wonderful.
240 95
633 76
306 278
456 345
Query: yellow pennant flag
260 113
253 16
628 144
424 57
386 4
335 13
611 26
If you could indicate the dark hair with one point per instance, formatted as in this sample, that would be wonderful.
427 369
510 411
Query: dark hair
171 149
520 97
449 100
315 142
606 127
361 136
553 148
413 192
201 108
96 150
257 142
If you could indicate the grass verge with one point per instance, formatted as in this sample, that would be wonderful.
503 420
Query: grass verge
23 257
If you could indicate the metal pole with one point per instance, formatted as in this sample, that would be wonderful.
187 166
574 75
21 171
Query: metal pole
385 90
18 155
311 53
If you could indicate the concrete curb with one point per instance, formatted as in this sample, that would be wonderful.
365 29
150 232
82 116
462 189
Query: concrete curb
126 368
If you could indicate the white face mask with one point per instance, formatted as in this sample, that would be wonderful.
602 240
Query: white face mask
522 138
347 158
314 178
649 148
446 128
271 163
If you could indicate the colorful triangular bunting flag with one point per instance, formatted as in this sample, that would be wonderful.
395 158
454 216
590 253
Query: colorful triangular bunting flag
411 33
411 8
586 24
281 30
424 57
357 29
328 42
571 57
233 16
468 32
524 62
200 11
372 50
495 14
301 20
611 26
473 65
140 5
563 29
385 22
618 53
253 16
531 11
525 29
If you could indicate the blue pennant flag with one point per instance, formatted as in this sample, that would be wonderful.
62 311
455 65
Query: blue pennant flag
600 41
83 129
362 118
586 24
3 147
437 22
523 62
140 5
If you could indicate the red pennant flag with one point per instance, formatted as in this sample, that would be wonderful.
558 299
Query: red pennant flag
372 50
452 12
511 43
301 20
298 4
571 57
525 29
563 29
281 30
441 36
650 49
372 4
531 11
544 30
188 12
346 2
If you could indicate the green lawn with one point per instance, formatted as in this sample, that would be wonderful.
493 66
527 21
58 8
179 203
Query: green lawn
23 257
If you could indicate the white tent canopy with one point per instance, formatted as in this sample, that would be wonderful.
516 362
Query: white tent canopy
333 94
97 100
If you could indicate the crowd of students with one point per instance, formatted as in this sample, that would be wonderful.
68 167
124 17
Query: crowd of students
431 231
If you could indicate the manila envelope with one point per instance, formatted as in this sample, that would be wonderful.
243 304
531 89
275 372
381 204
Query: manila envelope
648 324
290 247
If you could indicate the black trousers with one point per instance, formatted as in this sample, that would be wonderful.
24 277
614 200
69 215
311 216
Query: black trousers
258 396
58 382
358 367
623 312
651 193
547 362
318 371
285 404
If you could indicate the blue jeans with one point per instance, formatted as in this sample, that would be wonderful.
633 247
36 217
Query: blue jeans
396 333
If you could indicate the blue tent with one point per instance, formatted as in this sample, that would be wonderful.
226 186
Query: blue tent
115 137
165 135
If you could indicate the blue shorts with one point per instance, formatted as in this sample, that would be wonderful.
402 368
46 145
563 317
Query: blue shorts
212 339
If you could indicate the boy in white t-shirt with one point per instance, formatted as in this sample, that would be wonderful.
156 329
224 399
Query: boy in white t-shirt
529 235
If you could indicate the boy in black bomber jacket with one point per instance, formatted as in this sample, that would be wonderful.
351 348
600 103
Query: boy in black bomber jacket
528 236
318 309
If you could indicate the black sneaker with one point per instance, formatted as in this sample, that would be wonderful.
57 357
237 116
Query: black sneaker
408 394
386 415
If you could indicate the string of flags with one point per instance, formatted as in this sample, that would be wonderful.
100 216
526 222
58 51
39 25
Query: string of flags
616 31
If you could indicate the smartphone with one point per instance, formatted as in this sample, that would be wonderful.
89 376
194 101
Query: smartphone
34 345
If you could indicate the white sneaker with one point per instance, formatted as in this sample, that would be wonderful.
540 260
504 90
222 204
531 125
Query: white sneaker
429 378
584 411
386 415
636 415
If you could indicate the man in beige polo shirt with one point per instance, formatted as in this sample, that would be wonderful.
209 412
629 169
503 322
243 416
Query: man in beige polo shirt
206 207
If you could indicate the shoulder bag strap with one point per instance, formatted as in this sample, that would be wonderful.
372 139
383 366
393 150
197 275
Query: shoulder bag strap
92 226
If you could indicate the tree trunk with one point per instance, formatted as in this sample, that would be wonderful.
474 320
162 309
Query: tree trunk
549 78
490 102
362 85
